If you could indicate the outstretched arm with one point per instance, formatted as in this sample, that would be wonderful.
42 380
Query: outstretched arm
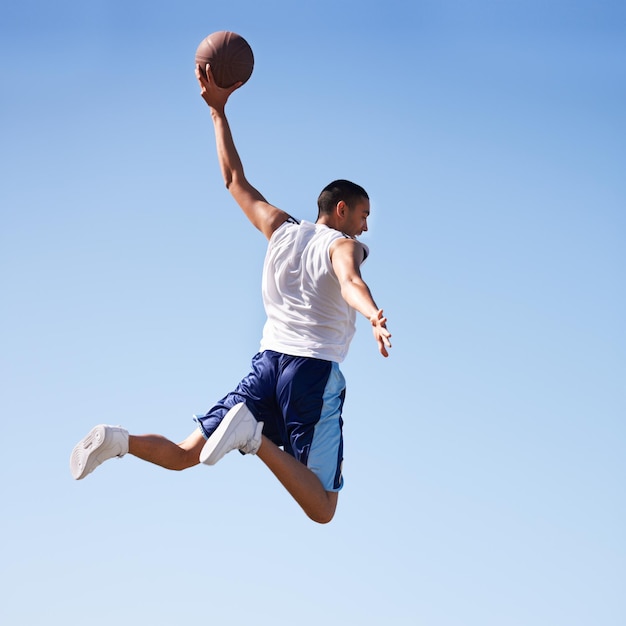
346 256
263 215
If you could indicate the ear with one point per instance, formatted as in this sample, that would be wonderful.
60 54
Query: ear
341 208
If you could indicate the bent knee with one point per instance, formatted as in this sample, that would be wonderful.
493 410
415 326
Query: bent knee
189 452
187 459
322 519
325 513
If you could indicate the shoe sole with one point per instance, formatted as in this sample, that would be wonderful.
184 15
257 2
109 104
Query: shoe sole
83 453
209 455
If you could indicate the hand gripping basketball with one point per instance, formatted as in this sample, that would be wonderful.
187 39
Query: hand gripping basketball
214 95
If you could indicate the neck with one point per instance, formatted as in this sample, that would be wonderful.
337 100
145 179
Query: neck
327 220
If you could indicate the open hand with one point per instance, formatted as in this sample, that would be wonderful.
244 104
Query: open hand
381 334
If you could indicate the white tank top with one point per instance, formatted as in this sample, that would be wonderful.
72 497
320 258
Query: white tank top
306 315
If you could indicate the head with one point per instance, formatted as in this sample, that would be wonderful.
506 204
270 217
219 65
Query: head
344 206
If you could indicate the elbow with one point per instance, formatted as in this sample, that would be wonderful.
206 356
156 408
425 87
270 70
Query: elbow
234 180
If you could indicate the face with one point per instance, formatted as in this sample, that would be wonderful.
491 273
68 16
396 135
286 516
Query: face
355 218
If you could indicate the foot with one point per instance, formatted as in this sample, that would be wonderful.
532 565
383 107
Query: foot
102 443
237 431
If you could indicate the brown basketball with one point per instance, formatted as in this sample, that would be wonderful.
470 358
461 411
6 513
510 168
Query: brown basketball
229 55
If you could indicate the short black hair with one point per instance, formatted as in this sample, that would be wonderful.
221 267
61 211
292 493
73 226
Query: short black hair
339 190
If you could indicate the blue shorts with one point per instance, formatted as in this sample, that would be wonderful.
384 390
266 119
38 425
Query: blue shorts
300 400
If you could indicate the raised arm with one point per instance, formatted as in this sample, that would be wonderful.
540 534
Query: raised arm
263 215
346 256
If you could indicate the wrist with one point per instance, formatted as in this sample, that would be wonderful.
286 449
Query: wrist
217 112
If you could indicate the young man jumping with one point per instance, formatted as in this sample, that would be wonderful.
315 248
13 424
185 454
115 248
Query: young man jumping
288 409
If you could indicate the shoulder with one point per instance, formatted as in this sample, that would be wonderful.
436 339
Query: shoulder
287 226
345 248
275 221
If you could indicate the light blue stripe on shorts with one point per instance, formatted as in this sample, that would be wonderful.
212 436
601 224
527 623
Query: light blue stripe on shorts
326 453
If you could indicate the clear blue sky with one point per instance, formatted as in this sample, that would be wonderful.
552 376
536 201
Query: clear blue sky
484 460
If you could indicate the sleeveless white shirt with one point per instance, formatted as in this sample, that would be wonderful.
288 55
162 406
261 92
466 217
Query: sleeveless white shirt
306 315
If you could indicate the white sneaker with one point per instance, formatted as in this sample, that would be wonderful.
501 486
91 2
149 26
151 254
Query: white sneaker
237 431
103 442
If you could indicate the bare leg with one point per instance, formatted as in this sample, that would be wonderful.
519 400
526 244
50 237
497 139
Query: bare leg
300 482
303 485
161 451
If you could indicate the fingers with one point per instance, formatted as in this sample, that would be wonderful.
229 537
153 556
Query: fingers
206 79
383 350
383 344
380 322
381 334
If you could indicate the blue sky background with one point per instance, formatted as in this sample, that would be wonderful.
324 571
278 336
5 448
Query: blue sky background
484 459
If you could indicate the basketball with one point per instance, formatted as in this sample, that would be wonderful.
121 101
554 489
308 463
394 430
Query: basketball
229 55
